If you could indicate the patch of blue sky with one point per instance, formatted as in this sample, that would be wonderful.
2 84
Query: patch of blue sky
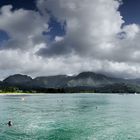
4 37
55 28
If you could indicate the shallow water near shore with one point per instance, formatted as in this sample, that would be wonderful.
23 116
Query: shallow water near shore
70 117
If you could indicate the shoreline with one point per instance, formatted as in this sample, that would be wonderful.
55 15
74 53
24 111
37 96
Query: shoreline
20 94
15 94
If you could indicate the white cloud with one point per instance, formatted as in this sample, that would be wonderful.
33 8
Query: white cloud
131 31
15 61
92 27
23 26
95 40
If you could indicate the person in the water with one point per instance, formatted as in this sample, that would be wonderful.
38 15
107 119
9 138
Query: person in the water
9 123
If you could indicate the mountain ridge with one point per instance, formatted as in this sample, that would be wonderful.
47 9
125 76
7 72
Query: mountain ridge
83 81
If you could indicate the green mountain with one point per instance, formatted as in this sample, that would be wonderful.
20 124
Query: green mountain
17 79
83 82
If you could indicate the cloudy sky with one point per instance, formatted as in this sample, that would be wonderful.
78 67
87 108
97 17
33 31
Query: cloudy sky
51 37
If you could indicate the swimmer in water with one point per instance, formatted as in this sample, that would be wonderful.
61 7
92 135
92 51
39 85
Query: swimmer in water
9 123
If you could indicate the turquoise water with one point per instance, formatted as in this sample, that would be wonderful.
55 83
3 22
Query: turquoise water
70 117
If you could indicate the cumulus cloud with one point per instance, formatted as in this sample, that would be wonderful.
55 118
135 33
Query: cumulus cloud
91 26
96 39
23 26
